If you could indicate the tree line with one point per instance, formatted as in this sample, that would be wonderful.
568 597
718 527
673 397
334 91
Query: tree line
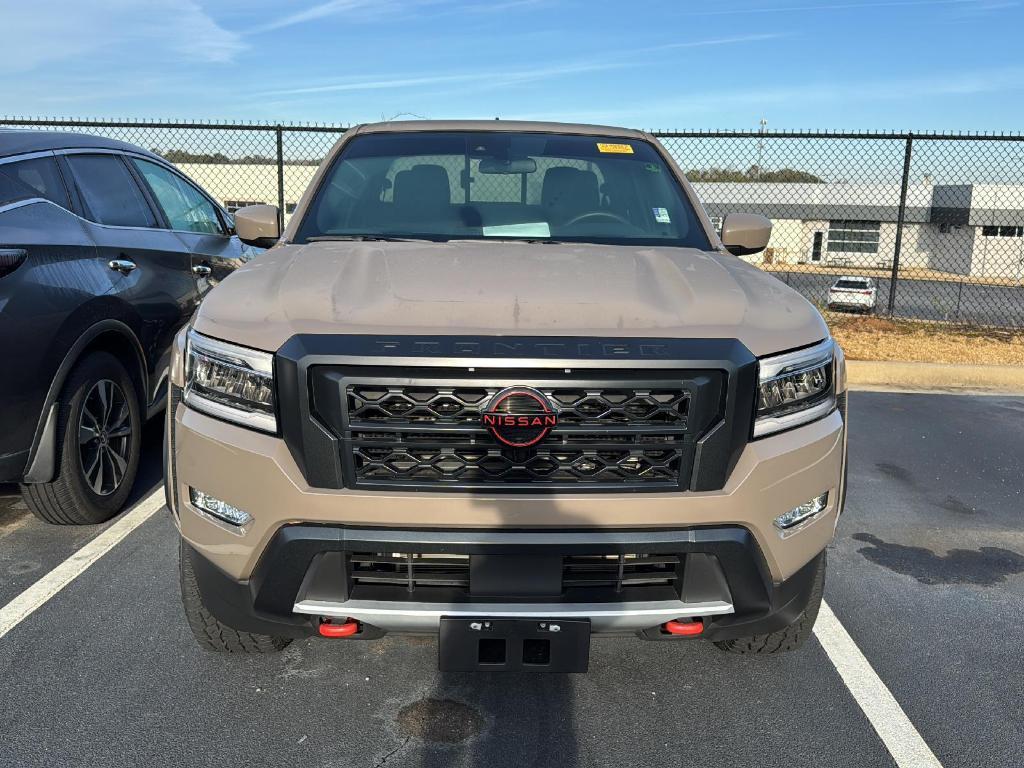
753 174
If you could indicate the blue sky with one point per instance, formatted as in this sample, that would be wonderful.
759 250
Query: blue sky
894 64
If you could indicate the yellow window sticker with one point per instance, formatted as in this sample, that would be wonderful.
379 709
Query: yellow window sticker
618 149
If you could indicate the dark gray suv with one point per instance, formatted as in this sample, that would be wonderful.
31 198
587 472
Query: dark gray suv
105 252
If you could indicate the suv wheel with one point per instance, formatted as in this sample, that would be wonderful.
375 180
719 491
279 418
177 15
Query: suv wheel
788 638
98 439
210 633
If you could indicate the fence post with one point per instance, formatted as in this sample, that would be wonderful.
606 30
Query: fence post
900 218
280 177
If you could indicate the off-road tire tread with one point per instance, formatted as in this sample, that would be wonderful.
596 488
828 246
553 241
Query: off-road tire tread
54 502
211 634
788 638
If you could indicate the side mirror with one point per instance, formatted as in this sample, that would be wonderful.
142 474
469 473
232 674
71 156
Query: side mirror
744 234
258 225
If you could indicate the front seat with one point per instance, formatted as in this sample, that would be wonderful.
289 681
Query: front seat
569 192
422 195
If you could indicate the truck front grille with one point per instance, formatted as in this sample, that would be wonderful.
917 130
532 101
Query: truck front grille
631 433
514 414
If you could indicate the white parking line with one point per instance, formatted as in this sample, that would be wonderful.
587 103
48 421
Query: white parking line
25 604
899 735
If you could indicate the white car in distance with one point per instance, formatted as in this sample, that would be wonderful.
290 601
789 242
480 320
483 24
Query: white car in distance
853 293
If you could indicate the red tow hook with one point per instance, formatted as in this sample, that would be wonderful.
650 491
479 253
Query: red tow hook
685 627
349 628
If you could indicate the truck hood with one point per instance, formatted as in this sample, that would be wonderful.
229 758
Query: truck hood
505 289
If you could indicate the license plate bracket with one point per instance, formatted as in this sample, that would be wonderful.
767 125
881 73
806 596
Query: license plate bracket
513 645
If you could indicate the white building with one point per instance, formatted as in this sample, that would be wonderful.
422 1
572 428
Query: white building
975 230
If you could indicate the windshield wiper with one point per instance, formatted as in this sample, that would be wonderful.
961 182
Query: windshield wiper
373 239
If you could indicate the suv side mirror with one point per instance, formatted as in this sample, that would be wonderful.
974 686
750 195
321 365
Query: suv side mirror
258 225
744 234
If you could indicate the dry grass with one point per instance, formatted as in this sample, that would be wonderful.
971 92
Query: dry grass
875 338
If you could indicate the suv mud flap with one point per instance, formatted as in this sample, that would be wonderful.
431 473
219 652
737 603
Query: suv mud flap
514 645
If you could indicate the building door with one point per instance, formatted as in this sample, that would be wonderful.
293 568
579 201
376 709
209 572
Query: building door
816 247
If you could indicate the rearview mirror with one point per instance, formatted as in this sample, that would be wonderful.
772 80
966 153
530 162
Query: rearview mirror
744 234
258 225
494 165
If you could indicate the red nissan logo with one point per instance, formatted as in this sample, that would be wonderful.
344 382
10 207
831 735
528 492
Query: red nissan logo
519 417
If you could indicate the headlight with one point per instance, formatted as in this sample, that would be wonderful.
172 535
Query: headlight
795 388
230 382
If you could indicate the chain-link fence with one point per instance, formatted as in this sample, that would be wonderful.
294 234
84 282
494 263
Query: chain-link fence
922 226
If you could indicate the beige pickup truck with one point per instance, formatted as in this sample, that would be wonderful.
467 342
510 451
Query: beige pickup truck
502 383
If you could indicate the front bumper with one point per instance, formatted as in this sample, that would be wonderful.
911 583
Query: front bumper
851 303
303 577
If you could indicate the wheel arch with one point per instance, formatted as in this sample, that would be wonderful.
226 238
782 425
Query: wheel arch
112 336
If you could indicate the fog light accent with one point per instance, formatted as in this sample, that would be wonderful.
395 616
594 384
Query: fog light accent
804 512
219 509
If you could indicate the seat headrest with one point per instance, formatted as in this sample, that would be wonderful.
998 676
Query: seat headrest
423 188
568 192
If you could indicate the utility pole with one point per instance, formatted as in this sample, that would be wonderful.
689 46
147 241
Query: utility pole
760 146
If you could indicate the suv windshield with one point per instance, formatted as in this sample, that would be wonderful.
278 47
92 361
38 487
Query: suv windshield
495 185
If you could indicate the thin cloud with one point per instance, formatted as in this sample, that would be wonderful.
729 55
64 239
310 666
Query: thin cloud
363 10
669 111
103 29
323 11
505 5
828 7
499 78
713 42
951 84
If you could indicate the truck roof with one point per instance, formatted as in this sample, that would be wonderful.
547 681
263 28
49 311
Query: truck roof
514 126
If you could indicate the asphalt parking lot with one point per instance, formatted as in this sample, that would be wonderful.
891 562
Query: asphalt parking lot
928 299
926 575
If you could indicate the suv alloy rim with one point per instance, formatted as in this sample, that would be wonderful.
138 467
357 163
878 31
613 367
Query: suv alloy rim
104 437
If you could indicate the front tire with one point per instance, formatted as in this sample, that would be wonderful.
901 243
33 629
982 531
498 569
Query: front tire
99 432
788 638
209 632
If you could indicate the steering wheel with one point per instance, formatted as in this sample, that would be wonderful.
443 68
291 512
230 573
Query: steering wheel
598 215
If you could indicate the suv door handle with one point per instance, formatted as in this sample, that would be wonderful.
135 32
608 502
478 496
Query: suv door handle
124 266
201 270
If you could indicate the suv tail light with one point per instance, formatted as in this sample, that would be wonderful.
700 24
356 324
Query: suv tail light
11 259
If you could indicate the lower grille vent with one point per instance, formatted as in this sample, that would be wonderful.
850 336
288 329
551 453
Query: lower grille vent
410 570
618 571
418 571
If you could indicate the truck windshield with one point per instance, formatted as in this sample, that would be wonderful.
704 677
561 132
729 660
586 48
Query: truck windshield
500 185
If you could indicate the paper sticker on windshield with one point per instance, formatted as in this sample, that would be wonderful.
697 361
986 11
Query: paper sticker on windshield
615 149
526 229
661 215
